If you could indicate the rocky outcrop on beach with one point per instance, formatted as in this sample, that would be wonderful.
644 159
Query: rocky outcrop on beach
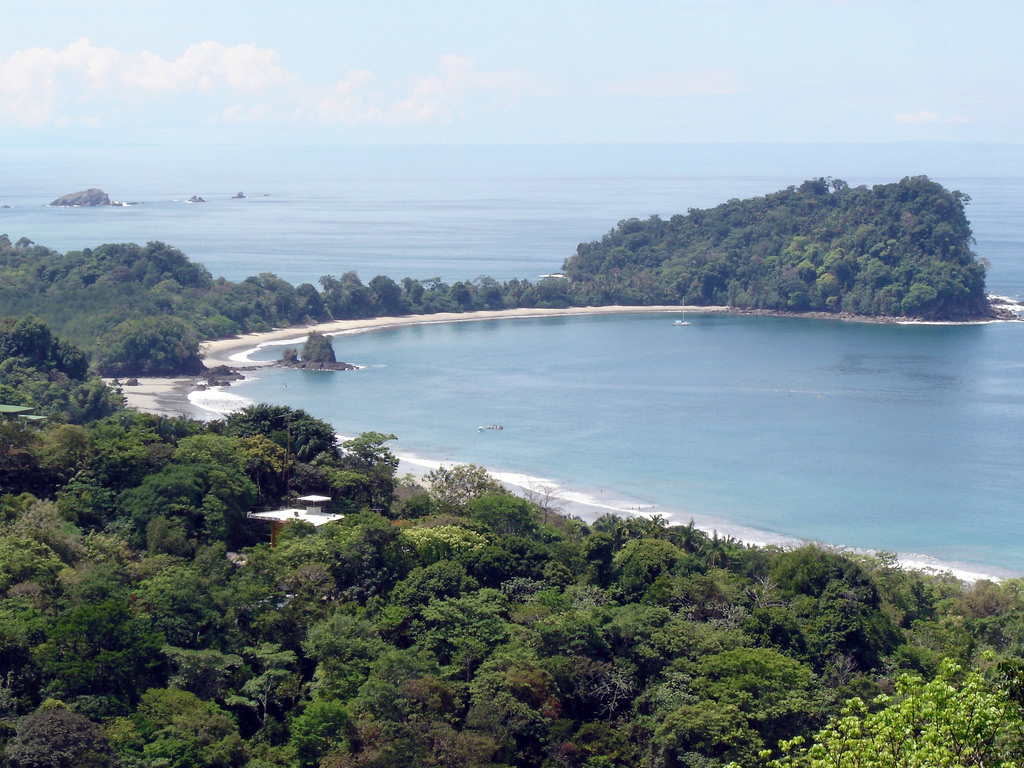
219 376
317 365
317 355
86 198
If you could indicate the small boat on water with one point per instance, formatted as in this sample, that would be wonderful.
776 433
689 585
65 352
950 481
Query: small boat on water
489 426
681 321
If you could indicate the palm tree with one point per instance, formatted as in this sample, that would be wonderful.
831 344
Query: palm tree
714 549
688 538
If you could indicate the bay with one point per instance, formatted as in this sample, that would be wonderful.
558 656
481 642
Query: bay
904 438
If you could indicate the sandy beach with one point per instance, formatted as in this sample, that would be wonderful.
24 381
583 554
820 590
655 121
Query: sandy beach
162 396
231 351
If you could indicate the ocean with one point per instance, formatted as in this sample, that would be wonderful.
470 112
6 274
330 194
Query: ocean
902 438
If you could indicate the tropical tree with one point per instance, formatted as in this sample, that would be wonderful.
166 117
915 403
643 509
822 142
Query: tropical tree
301 435
101 650
273 682
56 738
177 729
452 488
955 719
369 457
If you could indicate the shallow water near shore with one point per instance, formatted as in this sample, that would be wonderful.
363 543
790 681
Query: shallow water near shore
903 438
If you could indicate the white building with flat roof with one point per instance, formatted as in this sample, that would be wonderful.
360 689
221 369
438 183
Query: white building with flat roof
313 512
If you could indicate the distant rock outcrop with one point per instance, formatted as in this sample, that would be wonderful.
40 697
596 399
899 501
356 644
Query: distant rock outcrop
196 199
89 197
239 196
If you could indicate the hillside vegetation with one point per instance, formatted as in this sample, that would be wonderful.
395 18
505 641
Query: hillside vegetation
48 375
455 626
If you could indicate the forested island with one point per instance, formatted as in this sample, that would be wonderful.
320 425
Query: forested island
892 250
146 621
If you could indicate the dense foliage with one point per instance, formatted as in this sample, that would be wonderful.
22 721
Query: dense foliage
954 719
49 375
893 249
142 309
149 346
145 620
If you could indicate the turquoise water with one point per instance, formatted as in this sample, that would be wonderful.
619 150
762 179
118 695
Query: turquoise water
903 438
883 437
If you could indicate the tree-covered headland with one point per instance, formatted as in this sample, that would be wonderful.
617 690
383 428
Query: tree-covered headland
901 249
146 622
142 310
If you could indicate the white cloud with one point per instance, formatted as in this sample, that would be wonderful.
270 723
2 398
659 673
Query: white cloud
27 84
36 82
97 65
350 101
40 85
712 81
206 66
439 97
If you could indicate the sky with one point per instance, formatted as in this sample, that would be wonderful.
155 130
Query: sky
180 72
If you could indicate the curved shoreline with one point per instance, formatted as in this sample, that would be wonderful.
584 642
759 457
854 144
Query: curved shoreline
232 351
169 396
172 396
